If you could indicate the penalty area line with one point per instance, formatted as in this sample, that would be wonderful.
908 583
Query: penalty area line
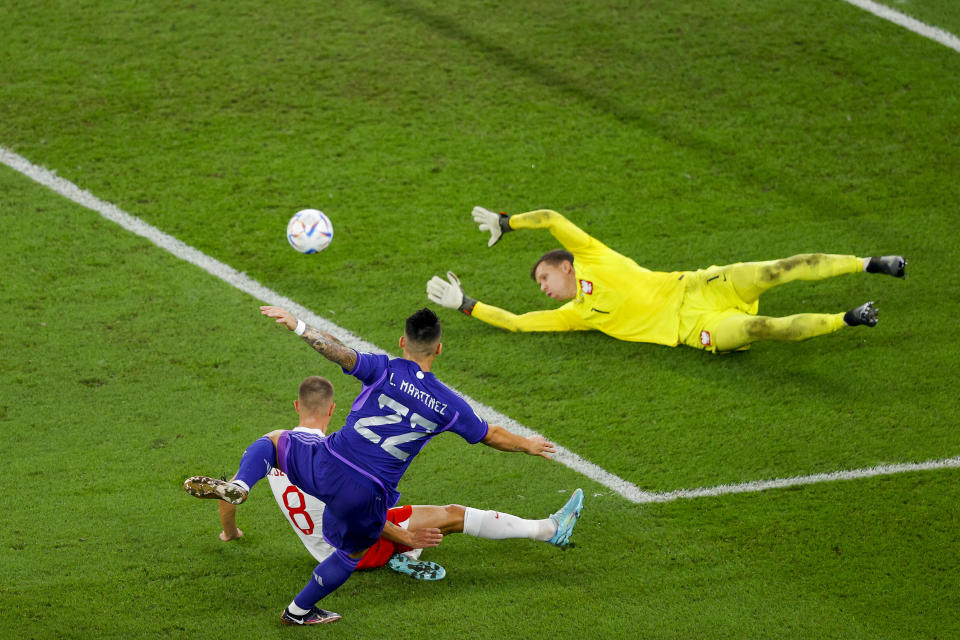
250 286
936 34
797 481
564 456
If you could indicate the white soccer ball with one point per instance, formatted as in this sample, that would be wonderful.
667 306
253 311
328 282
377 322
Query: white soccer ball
309 231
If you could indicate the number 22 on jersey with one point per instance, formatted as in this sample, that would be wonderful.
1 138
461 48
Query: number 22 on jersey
400 411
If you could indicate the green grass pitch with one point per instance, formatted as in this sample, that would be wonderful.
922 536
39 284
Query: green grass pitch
682 134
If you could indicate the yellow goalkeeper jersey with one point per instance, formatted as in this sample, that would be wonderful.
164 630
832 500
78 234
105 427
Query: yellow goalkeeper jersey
615 295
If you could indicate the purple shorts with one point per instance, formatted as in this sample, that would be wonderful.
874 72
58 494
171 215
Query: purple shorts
356 505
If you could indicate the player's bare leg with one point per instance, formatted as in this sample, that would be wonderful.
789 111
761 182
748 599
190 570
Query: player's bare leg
449 518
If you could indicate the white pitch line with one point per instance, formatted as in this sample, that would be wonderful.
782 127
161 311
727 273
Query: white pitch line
781 483
564 456
246 284
945 38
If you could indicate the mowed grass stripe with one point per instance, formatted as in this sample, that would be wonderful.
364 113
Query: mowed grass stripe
564 456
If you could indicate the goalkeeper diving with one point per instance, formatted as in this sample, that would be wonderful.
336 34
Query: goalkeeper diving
714 309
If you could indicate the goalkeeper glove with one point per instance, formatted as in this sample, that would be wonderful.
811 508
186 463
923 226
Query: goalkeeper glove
450 294
496 223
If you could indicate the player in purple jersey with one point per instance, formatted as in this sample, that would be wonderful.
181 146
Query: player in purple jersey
355 470
396 547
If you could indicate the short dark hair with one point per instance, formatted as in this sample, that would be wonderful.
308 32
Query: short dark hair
316 394
554 258
422 331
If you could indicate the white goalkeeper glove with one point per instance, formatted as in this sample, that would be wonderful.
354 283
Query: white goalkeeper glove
496 223
449 294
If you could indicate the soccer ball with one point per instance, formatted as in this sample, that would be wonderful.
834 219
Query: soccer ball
309 231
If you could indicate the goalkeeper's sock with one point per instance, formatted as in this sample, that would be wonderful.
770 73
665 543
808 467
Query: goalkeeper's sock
257 461
494 525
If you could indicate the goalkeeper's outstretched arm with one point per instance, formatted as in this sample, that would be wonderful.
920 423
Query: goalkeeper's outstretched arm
561 319
572 237
449 293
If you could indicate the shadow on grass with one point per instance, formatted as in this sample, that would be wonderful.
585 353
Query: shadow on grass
747 170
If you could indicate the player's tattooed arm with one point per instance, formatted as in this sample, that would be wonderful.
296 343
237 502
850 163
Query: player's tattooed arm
331 348
324 343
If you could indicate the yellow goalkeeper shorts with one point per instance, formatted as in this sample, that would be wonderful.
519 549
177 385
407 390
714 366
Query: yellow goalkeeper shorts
709 298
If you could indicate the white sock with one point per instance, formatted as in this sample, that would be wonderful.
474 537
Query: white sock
494 525
241 484
413 554
297 611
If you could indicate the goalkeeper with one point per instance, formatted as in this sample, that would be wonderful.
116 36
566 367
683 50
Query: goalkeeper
712 309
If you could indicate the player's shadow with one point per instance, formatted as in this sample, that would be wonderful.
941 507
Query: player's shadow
658 373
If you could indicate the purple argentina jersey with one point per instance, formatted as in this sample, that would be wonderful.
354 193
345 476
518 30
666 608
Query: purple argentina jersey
398 411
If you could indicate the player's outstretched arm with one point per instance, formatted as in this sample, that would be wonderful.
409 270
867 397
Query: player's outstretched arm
448 293
323 343
572 237
499 438
496 223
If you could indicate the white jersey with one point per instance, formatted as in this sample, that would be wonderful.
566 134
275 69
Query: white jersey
303 511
